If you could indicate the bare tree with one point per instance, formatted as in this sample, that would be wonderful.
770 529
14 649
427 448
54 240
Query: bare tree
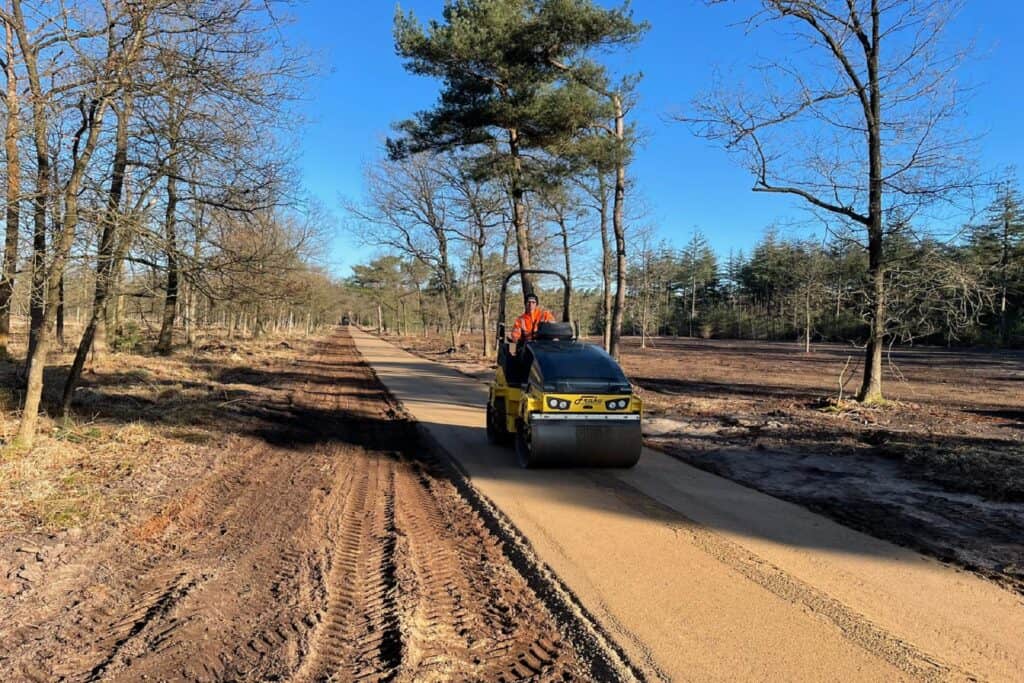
13 209
479 206
119 35
860 130
409 210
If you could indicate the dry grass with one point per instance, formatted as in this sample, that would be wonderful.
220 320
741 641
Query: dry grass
134 416
75 474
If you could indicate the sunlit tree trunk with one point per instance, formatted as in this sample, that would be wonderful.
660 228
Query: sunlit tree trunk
619 228
13 209
165 342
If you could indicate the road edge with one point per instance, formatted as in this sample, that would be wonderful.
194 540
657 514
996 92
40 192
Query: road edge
606 658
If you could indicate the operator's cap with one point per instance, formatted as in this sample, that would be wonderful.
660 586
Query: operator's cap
533 296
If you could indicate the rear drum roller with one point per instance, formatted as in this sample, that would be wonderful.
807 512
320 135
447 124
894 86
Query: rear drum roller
496 433
524 449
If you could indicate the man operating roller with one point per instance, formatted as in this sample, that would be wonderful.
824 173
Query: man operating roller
525 327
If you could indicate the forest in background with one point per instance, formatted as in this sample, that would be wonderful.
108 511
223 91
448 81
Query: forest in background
148 184
964 292
150 193
524 162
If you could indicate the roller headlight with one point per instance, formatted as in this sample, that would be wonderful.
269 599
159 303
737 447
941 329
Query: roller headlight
617 404
623 403
563 405
552 403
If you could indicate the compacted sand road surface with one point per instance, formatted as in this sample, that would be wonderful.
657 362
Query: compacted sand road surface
329 546
699 578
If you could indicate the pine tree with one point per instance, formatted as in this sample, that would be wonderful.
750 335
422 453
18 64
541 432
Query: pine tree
507 67
998 247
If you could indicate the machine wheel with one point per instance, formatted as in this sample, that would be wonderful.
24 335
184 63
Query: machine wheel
524 451
496 433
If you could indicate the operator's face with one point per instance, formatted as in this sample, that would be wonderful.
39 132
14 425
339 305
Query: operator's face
531 305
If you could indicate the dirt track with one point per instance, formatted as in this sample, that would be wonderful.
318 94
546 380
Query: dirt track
327 545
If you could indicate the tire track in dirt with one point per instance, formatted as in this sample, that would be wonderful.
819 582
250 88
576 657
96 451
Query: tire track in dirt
244 563
328 545
458 601
358 635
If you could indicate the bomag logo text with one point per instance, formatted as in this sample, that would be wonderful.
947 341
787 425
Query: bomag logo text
586 400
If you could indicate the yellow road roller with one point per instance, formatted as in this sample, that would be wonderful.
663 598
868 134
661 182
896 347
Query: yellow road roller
561 401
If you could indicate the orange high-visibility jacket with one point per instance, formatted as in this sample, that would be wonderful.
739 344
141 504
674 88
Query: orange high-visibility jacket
526 324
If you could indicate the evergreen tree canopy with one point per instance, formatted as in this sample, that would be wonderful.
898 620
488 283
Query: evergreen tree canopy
507 68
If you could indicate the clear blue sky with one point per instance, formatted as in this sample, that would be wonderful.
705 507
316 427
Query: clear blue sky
685 181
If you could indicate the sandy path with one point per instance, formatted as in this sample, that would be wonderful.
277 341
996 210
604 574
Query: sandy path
699 578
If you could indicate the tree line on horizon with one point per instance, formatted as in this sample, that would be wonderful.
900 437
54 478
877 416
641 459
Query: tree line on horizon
965 293
524 162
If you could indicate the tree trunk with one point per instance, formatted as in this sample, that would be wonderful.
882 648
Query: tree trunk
1004 263
519 211
619 229
871 387
193 291
13 210
60 311
567 256
258 322
447 287
606 264
165 341
37 295
189 317
646 302
92 121
807 321
117 313
482 281
110 253
693 296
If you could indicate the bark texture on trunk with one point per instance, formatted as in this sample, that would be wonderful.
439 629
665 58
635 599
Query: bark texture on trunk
606 264
447 287
165 342
1004 280
871 386
13 209
619 228
519 211
482 281
567 257
60 311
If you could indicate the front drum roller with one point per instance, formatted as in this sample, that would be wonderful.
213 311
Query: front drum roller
612 442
